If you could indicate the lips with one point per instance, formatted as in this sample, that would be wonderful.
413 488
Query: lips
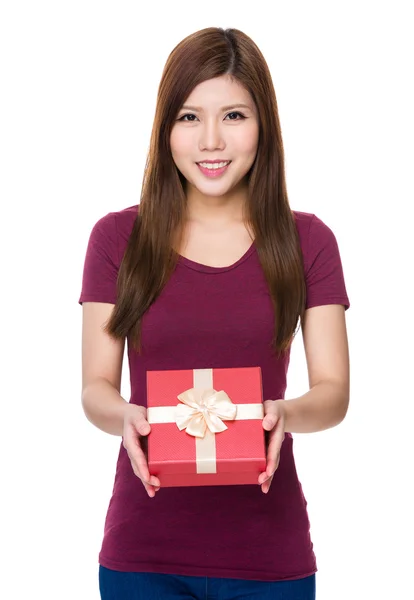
213 172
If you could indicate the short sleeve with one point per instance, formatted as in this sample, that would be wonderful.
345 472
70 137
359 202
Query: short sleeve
325 283
100 271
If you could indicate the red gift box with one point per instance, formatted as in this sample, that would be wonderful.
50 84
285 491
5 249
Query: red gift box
206 426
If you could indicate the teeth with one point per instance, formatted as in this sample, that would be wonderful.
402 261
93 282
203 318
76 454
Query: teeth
214 165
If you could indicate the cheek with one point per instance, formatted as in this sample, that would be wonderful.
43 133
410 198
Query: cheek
248 142
180 144
174 144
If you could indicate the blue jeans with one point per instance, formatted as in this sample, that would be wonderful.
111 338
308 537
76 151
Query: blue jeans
118 585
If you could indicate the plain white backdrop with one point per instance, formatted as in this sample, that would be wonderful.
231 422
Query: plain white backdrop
78 87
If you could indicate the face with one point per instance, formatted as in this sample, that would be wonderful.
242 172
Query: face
215 136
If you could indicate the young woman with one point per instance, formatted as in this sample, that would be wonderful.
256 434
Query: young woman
212 269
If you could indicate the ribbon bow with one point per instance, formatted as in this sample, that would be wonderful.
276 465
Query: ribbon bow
202 409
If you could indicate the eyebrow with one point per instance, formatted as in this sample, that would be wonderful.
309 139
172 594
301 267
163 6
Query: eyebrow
223 108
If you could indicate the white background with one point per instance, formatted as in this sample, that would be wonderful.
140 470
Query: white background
78 87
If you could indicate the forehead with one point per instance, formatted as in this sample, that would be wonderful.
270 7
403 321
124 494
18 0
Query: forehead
217 92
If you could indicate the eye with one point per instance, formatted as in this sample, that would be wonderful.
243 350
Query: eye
187 120
236 113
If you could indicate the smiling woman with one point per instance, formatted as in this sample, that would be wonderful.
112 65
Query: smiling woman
212 272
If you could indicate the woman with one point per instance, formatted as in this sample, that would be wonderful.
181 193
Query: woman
213 269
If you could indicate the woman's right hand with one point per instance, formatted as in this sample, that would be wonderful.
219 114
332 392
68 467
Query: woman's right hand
136 428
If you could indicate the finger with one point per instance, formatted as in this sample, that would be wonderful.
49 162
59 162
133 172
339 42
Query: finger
265 475
270 471
140 465
266 485
134 433
151 487
142 426
276 438
272 463
273 451
271 418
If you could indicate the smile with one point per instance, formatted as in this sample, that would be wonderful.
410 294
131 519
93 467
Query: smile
213 169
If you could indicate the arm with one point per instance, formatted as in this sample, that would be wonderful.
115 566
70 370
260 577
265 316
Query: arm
102 402
101 370
327 355
326 403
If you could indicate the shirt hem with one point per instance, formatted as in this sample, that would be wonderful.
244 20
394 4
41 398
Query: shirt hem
325 301
190 571
95 298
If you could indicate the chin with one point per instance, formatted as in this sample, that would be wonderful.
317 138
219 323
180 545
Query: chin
213 190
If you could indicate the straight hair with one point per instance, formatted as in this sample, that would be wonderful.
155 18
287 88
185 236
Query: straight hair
150 256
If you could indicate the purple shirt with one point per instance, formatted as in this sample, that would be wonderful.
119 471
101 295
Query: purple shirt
209 317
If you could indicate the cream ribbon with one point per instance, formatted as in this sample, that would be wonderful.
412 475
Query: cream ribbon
202 409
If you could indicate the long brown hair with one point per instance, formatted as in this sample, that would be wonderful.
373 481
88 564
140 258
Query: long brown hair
150 257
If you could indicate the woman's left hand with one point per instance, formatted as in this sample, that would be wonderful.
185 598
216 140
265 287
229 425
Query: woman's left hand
274 423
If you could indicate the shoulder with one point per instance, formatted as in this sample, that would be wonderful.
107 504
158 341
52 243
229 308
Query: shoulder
314 233
302 221
120 221
125 220
114 229
307 223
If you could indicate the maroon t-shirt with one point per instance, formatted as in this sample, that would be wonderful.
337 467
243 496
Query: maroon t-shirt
209 317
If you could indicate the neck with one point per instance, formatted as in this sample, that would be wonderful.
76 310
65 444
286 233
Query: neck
219 209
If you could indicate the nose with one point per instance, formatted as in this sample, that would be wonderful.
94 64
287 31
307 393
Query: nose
211 136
